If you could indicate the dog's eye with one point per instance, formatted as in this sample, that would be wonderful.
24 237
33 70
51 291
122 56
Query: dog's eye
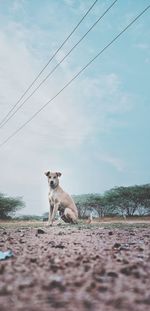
54 176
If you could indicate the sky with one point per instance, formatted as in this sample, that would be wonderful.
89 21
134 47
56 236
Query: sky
96 132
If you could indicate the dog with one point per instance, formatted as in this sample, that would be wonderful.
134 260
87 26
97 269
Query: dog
60 201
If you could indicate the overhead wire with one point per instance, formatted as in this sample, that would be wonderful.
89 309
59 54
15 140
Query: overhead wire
60 62
76 75
46 65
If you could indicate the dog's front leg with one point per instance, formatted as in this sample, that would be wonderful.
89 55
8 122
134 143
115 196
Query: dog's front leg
55 209
51 207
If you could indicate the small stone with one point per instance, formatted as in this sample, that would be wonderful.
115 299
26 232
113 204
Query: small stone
130 269
116 245
40 231
33 259
102 288
87 268
124 247
88 304
3 289
55 281
25 283
2 269
21 241
112 274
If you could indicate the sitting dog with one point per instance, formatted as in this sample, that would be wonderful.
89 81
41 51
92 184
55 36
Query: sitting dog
60 201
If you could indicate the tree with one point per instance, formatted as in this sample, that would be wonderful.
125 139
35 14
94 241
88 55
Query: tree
95 202
9 205
111 202
88 203
129 200
81 203
143 200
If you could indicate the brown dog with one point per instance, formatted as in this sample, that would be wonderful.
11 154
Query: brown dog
60 201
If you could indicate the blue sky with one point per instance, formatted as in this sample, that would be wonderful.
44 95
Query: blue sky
97 131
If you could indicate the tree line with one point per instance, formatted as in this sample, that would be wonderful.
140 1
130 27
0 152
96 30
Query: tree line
119 201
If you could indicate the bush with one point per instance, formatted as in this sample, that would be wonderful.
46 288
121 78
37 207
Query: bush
9 205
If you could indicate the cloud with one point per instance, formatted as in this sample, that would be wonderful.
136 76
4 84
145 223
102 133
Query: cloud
69 2
147 60
142 46
17 5
112 160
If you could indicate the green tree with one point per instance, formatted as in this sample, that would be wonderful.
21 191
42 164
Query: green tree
9 205
129 200
81 203
95 202
111 203
88 203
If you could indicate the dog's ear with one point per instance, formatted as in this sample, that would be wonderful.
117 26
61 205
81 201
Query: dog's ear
58 174
47 173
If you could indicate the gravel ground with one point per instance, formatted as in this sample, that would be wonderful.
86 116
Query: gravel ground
70 268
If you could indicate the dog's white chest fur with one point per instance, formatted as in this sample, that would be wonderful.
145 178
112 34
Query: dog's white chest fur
53 196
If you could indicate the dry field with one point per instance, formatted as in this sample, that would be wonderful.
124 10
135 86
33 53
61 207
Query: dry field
95 267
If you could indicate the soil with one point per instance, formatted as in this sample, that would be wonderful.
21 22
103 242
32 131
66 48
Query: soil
70 268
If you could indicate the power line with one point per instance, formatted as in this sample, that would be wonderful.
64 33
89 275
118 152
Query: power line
68 83
50 73
49 61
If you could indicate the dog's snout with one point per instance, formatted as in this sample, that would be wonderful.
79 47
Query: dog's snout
52 182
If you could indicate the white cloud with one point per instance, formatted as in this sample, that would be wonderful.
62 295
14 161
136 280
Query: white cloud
147 60
69 2
112 160
17 5
142 46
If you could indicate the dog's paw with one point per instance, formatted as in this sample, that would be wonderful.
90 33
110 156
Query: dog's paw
49 225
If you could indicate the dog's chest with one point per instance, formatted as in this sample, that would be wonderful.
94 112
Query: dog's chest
52 197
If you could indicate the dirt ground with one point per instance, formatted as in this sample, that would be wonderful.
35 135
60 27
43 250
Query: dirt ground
95 267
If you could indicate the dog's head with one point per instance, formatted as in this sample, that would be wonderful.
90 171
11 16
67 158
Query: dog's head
53 179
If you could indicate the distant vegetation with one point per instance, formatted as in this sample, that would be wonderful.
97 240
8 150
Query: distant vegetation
125 201
119 201
9 206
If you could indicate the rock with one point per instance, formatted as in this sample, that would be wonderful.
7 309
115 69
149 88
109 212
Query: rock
54 245
54 281
28 282
130 269
3 289
21 241
124 247
112 274
87 267
88 305
33 259
40 231
4 232
102 288
2 269
116 245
